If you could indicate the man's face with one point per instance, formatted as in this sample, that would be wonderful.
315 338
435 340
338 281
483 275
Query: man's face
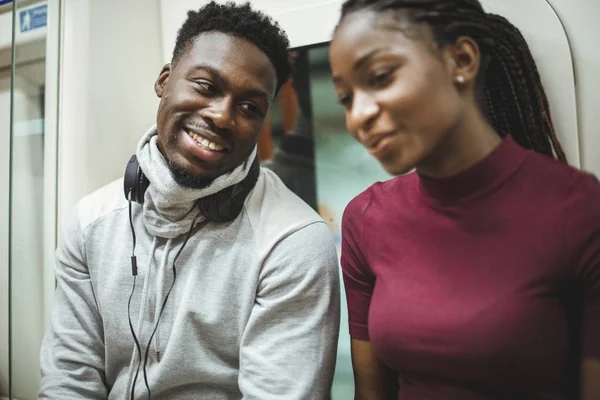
213 104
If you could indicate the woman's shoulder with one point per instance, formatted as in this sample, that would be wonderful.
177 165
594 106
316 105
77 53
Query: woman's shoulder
576 195
584 198
382 190
553 178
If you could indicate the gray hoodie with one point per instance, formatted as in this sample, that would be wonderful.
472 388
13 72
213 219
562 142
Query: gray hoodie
253 314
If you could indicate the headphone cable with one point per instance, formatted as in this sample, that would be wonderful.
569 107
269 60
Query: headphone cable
162 309
134 272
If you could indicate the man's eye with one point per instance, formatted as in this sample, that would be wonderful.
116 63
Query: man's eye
207 87
252 108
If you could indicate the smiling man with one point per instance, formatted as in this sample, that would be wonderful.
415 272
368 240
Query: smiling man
208 279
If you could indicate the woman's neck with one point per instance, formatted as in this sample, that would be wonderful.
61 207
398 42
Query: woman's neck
470 141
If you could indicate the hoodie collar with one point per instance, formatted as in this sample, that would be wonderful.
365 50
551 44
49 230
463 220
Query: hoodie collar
169 207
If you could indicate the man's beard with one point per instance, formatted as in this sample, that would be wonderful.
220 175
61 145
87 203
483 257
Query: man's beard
185 179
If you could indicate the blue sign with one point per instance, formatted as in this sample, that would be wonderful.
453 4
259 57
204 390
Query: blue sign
2 2
34 18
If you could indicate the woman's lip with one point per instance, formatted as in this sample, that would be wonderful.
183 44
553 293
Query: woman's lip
372 139
381 145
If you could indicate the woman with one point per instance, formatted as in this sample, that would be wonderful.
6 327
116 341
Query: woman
478 276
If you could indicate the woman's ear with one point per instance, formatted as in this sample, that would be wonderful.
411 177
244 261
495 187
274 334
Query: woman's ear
465 57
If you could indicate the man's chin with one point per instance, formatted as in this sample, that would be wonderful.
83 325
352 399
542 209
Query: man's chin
186 179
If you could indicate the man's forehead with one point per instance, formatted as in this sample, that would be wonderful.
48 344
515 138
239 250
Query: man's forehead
230 55
216 40
220 46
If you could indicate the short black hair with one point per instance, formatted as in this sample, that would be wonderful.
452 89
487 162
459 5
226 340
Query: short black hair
512 94
243 22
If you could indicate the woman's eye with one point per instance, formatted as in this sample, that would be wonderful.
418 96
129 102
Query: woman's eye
380 78
345 101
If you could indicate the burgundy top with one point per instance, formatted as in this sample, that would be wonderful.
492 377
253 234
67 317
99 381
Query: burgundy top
485 285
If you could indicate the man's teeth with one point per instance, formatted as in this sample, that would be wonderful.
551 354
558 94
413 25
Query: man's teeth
205 142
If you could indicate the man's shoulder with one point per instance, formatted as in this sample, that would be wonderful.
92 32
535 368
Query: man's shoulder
101 203
275 212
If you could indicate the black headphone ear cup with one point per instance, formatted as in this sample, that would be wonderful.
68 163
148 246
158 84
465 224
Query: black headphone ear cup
219 207
207 206
130 179
134 181
143 184
226 205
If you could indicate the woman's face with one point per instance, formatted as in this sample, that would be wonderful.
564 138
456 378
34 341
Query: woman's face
399 92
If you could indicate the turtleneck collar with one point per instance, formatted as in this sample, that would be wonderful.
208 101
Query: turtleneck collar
479 179
169 207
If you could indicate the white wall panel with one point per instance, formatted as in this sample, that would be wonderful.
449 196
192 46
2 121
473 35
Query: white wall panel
110 60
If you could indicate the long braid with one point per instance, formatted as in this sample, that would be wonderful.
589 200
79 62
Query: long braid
509 86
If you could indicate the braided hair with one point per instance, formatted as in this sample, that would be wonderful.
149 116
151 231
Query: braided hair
509 88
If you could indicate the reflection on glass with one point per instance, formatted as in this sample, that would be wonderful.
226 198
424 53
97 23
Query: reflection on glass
293 159
307 145
27 196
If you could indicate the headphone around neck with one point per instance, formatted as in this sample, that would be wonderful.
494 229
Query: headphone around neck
223 206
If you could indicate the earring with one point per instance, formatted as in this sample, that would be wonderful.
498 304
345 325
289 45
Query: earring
459 79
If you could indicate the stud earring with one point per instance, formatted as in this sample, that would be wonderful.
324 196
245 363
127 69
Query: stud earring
459 79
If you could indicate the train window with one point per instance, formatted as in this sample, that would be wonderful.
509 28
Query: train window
306 144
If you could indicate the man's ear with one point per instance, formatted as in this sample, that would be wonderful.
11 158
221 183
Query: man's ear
163 78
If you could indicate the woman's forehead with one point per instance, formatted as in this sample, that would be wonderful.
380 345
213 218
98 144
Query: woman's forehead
369 27
362 33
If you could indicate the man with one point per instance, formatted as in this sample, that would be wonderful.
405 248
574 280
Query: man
246 308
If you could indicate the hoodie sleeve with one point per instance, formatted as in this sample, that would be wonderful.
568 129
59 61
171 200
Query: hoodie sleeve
289 346
72 354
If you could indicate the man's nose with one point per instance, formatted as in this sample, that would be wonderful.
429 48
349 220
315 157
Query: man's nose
220 114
